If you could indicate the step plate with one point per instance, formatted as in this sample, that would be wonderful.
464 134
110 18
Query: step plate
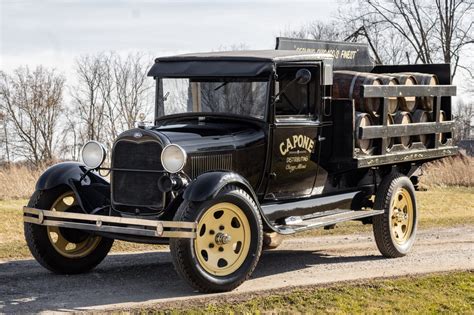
330 219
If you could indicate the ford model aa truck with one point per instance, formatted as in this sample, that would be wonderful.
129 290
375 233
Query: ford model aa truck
244 145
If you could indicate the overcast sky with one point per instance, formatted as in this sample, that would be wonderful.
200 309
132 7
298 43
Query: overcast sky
53 33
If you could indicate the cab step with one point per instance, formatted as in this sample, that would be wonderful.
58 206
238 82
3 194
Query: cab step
321 219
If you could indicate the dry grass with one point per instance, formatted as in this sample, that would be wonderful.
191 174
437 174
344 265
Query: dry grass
17 181
438 207
451 171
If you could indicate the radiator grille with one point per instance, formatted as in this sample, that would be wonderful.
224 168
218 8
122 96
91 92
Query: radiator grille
204 163
132 185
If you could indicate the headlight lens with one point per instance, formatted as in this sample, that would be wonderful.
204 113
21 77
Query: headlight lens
173 158
93 154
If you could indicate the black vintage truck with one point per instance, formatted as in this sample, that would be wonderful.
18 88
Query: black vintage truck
245 145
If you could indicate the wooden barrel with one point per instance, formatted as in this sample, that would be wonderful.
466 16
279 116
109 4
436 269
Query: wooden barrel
421 116
347 84
406 103
390 141
362 120
392 101
403 118
442 136
426 102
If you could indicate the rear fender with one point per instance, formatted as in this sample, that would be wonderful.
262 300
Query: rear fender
92 190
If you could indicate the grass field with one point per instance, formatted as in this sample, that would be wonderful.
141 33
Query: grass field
438 207
450 293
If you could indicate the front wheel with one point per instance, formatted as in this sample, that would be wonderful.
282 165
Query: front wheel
395 229
63 250
227 245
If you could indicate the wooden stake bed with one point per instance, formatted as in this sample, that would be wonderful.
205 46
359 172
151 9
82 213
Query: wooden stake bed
384 131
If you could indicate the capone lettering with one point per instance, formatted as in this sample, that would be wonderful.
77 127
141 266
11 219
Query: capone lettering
296 141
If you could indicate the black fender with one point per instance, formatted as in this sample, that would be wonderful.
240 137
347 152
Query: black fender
206 186
92 190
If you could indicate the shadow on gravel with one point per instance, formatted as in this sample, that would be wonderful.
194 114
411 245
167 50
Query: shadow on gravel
27 287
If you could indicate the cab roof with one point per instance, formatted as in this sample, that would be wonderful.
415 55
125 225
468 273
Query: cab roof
241 63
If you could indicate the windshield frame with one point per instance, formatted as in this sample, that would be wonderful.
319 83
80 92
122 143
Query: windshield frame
159 106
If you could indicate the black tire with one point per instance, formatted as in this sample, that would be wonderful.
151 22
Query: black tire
41 247
389 242
183 253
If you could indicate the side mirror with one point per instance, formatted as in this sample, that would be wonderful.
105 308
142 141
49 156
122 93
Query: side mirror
303 76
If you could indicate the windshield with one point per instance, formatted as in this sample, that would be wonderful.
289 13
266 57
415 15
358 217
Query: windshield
247 98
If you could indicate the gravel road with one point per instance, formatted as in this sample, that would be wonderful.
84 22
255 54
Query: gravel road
136 280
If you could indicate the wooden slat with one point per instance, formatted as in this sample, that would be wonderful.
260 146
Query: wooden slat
404 156
407 90
374 132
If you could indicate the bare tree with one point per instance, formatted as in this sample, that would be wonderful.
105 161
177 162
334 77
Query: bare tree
88 97
32 101
70 139
110 93
4 143
318 30
463 116
429 31
132 87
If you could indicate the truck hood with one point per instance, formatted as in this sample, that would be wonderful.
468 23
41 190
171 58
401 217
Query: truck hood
212 136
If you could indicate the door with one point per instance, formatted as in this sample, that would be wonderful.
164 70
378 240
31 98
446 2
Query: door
294 135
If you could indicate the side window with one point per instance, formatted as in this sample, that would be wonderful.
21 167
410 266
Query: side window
295 100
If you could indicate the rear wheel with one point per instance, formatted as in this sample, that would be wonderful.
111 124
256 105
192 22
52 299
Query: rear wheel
228 242
63 250
395 229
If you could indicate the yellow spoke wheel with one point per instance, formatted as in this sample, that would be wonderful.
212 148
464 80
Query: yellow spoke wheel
223 239
77 245
401 216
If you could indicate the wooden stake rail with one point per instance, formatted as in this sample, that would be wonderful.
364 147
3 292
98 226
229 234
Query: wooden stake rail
383 131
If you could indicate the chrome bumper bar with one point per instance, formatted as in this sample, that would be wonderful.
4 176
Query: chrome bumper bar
102 223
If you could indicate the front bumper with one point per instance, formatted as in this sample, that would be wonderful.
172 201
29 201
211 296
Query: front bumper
102 223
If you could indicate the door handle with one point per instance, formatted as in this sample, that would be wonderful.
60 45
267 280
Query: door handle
321 139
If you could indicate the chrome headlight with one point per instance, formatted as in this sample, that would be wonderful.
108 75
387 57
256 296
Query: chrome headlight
173 158
93 154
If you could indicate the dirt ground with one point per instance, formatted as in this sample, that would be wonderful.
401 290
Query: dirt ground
136 280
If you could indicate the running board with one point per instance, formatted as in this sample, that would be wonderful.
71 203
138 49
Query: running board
322 219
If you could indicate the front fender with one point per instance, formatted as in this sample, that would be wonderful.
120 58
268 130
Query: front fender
91 190
60 174
206 186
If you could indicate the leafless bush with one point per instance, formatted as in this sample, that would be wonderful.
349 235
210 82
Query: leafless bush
451 171
18 181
